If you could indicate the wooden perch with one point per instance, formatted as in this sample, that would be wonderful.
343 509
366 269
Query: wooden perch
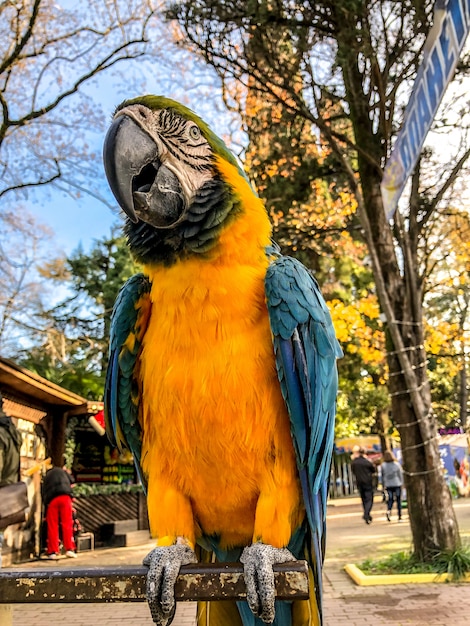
214 581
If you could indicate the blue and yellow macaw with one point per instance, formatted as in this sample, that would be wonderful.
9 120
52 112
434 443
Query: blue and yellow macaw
222 373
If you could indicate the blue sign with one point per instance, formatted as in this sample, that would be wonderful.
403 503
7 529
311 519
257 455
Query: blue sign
441 54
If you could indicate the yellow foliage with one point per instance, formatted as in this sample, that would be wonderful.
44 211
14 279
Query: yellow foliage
370 307
442 338
354 332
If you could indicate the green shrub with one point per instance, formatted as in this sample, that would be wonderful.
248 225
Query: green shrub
456 563
91 489
398 563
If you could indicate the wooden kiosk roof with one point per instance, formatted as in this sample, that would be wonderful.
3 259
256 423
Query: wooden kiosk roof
27 385
31 397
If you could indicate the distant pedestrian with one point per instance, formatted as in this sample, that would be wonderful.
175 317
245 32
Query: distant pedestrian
10 446
57 498
392 480
364 472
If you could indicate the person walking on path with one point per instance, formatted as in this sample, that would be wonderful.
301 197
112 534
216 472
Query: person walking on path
364 472
392 481
57 498
10 446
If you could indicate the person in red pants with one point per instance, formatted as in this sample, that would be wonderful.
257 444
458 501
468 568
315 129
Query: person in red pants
57 498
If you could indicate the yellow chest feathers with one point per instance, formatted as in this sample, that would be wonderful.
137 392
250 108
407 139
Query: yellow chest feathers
209 383
208 336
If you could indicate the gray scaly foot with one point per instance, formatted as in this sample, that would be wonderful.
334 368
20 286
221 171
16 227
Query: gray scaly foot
164 565
258 560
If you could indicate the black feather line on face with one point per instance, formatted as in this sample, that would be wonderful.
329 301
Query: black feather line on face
210 210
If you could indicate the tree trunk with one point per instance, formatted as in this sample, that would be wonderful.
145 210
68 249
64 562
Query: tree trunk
433 522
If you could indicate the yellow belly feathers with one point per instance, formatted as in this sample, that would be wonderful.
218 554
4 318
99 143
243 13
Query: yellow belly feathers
216 428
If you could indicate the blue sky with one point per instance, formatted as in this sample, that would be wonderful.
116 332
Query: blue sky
74 222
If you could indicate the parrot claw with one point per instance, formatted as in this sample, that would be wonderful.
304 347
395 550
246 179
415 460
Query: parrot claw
258 560
164 565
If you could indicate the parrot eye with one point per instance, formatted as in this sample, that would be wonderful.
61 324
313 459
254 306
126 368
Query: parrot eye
194 132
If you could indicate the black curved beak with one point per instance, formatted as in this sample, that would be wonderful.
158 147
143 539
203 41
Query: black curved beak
145 188
127 150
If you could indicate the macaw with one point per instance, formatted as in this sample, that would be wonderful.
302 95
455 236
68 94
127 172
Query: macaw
222 374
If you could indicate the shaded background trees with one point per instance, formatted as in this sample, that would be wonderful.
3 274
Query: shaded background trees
314 219
73 351
23 247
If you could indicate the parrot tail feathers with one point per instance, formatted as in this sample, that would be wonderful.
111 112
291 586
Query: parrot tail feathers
283 615
239 614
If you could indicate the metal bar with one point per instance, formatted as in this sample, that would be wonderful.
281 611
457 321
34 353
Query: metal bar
213 581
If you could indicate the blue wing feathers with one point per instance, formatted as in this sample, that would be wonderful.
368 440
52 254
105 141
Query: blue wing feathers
121 412
111 402
293 391
306 350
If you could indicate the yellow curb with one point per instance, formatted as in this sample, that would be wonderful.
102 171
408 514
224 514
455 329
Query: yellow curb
398 579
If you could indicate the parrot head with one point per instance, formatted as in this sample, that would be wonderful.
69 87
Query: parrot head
162 163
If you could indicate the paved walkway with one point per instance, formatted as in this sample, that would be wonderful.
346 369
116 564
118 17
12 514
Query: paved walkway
349 540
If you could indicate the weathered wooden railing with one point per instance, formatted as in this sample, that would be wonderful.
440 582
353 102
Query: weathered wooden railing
214 581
